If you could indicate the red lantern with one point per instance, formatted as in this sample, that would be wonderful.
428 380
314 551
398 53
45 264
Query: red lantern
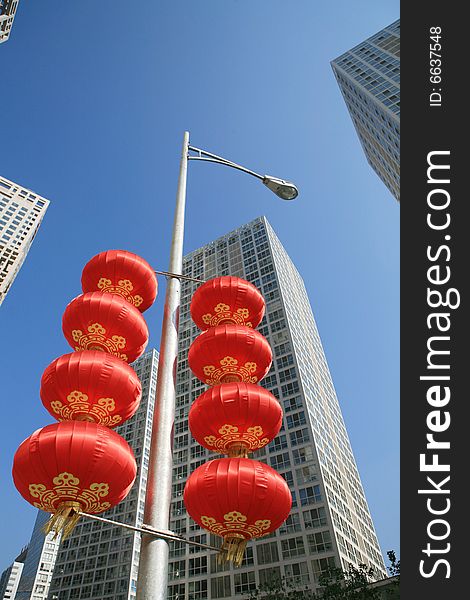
227 300
123 273
90 386
238 499
230 353
73 466
105 322
235 418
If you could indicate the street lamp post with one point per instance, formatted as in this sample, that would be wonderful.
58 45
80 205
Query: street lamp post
154 552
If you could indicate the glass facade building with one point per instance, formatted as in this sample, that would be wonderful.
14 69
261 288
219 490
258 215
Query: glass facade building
99 561
39 564
369 78
21 214
330 522
7 16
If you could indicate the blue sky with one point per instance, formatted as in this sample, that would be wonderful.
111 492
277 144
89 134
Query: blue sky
96 98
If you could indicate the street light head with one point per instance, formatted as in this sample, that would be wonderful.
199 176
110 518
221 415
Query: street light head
284 189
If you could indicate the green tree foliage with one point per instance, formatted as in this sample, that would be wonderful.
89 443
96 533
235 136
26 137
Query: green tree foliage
335 584
394 568
280 589
348 585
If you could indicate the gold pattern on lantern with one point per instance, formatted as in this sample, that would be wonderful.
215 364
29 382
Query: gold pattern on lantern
96 339
236 522
80 406
224 314
230 370
123 288
67 488
230 436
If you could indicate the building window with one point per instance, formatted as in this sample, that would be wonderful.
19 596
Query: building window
310 495
216 565
297 573
267 553
289 478
280 461
278 443
178 489
244 582
291 524
270 380
197 566
220 587
319 542
278 326
315 517
306 474
201 539
269 576
197 590
176 592
248 559
179 526
282 348
302 455
299 437
284 361
197 451
178 508
177 569
177 549
322 565
287 374
290 388
293 403
109 588
295 420
97 589
292 547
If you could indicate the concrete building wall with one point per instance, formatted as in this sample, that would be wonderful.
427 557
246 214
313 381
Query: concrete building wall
21 214
330 523
7 16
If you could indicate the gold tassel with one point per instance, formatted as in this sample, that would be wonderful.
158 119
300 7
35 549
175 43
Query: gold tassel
63 520
233 549
238 450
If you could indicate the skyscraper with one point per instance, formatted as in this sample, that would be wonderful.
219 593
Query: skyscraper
330 523
39 563
100 560
7 16
11 577
21 213
369 78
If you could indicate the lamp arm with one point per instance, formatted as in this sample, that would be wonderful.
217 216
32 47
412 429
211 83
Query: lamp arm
209 157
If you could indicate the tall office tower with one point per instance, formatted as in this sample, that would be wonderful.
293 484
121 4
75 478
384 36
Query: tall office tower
11 577
21 213
100 560
7 16
39 564
330 523
369 78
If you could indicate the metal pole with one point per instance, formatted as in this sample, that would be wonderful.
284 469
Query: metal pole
153 567
169 535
